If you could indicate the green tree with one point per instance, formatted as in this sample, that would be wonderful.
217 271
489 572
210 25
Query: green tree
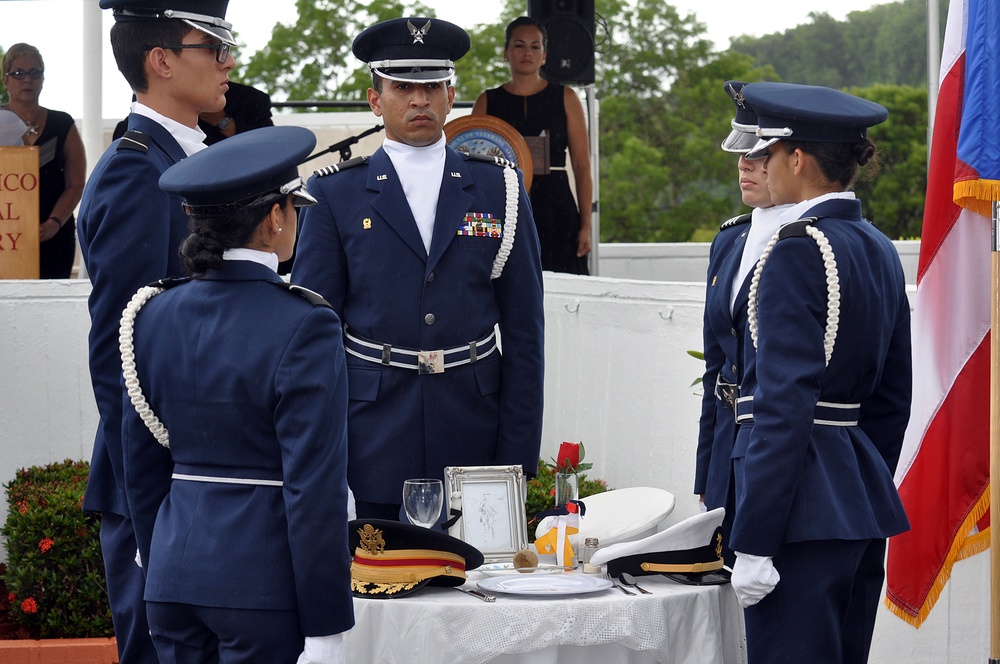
894 200
312 59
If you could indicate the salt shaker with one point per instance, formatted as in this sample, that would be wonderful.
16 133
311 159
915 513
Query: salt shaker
590 546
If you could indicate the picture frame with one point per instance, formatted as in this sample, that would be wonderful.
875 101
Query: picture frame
491 136
491 499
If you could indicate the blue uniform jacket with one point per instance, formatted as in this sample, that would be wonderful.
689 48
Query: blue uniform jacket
361 250
250 381
723 339
130 232
796 480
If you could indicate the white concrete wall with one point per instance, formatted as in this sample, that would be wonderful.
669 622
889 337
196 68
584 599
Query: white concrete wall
617 377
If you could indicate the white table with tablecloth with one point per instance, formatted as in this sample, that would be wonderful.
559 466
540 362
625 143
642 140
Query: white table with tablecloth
676 624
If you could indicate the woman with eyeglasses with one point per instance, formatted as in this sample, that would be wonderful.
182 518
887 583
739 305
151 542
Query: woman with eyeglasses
235 440
62 163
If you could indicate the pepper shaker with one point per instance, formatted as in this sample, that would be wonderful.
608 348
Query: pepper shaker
590 546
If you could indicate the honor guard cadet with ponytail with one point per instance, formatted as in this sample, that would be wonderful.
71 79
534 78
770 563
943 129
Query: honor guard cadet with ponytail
431 259
235 425
824 394
175 56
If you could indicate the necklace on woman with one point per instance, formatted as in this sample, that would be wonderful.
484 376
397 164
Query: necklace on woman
32 124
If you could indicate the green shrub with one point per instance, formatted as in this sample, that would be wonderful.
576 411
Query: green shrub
542 488
55 570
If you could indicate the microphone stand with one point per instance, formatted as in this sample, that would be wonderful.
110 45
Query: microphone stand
344 146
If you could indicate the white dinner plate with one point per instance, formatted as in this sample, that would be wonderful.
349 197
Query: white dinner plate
508 568
546 585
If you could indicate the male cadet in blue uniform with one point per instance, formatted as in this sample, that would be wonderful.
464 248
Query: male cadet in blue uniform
421 251
175 55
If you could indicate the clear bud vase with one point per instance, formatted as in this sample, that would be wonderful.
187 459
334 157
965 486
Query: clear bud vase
567 488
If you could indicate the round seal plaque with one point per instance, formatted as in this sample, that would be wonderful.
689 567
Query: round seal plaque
490 136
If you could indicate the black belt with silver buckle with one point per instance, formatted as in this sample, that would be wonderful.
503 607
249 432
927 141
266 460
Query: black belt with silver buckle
423 361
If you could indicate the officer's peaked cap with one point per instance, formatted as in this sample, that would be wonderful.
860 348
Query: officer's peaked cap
205 15
420 50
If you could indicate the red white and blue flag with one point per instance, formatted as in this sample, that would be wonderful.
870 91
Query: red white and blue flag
943 472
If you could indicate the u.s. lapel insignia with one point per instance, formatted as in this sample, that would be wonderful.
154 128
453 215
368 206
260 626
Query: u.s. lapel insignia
456 174
371 539
714 279
382 177
418 35
366 223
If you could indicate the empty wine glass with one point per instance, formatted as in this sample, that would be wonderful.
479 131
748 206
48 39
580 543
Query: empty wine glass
422 500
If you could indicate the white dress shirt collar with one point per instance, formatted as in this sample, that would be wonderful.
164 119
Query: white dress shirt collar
190 139
254 255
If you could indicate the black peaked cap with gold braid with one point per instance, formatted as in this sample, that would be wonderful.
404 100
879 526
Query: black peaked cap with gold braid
393 559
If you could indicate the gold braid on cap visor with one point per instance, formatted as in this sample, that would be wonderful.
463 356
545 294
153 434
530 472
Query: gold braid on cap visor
390 572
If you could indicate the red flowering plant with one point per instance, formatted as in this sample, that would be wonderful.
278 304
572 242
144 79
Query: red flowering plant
55 572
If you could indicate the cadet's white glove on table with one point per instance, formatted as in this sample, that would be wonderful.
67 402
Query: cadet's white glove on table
324 650
753 578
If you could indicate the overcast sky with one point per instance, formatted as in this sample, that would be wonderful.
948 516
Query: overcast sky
54 27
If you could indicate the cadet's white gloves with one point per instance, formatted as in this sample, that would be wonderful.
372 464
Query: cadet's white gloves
753 578
324 650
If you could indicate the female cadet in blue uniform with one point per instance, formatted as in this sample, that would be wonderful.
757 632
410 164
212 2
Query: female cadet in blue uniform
825 391
421 251
733 253
242 522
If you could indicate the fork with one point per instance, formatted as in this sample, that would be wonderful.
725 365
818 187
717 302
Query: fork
630 581
476 593
618 585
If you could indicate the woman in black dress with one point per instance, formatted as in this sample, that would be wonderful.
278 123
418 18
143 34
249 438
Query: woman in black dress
62 164
536 107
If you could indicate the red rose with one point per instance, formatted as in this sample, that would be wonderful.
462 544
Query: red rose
569 456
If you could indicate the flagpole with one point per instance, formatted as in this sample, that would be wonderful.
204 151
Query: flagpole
995 442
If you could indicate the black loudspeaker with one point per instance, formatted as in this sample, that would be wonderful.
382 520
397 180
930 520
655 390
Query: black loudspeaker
570 28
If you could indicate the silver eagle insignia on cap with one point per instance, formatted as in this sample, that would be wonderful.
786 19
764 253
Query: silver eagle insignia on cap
418 35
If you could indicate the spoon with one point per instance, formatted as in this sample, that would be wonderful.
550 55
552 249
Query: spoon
629 580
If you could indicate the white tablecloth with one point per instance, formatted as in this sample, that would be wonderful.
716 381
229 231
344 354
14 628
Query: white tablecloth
677 624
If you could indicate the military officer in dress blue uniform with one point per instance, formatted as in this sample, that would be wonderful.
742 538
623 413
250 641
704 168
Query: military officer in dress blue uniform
733 253
175 55
824 392
422 251
235 424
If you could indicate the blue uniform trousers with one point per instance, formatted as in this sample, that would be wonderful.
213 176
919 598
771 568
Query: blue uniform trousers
125 582
823 609
190 634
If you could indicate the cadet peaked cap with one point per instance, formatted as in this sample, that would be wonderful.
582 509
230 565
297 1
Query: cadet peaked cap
691 547
205 15
393 559
256 167
421 50
809 113
744 133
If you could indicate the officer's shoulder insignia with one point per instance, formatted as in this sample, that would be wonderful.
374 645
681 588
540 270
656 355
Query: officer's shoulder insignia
342 166
735 221
796 228
170 282
498 161
134 140
313 297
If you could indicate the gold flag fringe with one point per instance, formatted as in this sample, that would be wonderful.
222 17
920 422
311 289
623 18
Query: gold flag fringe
977 195
962 547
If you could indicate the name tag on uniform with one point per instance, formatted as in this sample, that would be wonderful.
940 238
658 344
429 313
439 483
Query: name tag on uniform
478 224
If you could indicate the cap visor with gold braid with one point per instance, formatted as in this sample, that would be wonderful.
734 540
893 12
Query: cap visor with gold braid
393 559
